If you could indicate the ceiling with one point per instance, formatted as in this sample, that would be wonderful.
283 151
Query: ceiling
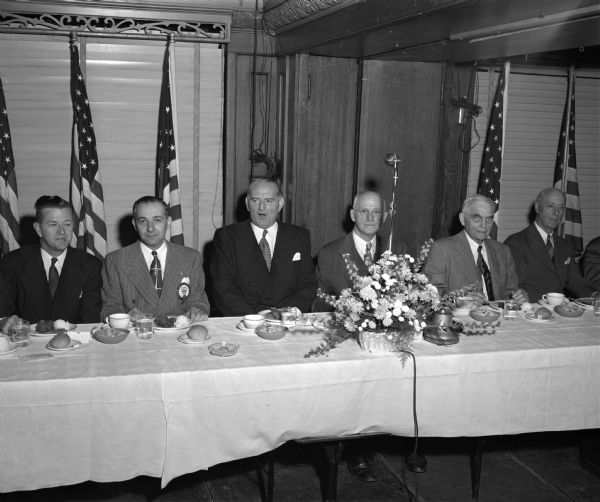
544 32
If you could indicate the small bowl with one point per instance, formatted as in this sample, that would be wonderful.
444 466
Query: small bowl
223 349
252 321
484 315
466 302
569 310
271 331
106 334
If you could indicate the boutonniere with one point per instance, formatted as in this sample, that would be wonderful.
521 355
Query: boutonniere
183 290
568 260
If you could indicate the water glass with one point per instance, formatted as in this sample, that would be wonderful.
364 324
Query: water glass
510 311
597 305
145 325
19 332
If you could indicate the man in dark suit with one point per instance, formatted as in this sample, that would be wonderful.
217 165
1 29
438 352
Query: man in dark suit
260 263
152 275
50 280
546 262
362 245
470 257
590 263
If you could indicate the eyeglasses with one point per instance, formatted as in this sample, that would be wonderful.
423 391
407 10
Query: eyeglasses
365 213
477 218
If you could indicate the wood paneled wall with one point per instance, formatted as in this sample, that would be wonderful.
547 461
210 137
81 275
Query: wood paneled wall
400 113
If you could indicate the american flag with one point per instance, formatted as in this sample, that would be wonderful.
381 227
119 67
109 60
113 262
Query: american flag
9 211
491 165
167 166
86 189
565 171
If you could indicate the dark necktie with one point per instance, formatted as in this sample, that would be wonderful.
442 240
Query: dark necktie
156 273
550 247
368 258
266 250
53 277
485 272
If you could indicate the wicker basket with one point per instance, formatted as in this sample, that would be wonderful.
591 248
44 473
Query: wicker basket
381 341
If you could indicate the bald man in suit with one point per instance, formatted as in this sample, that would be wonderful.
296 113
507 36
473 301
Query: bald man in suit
154 276
261 263
454 262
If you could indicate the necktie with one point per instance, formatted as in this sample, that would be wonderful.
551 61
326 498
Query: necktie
550 247
266 250
156 273
368 258
53 277
485 272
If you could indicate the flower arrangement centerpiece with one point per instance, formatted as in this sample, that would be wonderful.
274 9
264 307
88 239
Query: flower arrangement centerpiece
393 301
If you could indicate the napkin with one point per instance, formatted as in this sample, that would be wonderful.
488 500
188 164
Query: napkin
80 336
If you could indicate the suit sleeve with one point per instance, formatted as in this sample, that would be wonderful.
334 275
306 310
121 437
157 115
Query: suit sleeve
512 278
306 286
591 263
112 296
436 268
325 271
229 300
91 296
519 256
198 298
575 283
8 288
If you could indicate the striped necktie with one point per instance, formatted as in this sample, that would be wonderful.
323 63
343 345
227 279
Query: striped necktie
266 250
156 273
53 277
550 246
368 258
485 272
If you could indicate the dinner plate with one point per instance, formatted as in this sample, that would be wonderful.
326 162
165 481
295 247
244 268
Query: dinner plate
9 351
75 344
587 302
33 332
458 311
172 331
240 325
531 317
183 338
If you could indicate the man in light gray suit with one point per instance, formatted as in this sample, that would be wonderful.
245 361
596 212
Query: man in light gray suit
154 276
471 257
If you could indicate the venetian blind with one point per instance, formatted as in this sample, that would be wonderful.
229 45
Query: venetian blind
536 100
123 81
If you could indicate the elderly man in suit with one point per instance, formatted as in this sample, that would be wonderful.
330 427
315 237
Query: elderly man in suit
470 257
363 246
260 263
50 280
590 263
152 275
546 262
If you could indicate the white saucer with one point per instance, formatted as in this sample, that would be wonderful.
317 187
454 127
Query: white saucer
75 344
33 332
241 327
531 317
186 339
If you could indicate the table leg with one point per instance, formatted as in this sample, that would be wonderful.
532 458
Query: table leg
476 461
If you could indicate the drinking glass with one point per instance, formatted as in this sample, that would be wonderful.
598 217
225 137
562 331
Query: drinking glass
511 310
145 325
597 305
19 332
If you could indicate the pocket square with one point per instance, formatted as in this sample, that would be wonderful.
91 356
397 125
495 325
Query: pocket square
296 256
568 260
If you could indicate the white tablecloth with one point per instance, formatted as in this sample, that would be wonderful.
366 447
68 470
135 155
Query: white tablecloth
162 408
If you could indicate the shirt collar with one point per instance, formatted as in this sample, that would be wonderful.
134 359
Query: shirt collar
161 252
47 259
543 233
361 245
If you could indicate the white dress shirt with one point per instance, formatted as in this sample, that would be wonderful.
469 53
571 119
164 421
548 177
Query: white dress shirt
161 252
361 245
47 259
271 235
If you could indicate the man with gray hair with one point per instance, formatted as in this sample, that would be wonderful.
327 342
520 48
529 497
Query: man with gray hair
471 257
546 262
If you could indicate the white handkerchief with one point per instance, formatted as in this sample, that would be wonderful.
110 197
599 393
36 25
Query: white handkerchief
296 257
568 260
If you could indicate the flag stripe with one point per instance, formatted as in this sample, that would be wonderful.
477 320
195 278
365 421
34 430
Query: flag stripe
565 171
9 211
87 196
167 166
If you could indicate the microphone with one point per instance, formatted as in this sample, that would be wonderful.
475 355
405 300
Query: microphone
392 159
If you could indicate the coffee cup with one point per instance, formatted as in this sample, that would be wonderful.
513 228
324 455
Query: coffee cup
553 298
252 321
121 321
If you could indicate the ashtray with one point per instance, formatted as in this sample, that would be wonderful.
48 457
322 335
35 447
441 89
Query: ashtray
271 331
223 349
569 310
484 315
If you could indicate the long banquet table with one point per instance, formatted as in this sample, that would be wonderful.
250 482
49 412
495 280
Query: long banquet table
163 408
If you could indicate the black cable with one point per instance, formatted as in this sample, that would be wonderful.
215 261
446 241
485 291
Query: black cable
253 91
415 420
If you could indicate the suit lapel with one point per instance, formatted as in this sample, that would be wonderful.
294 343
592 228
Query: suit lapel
349 247
36 284
494 264
171 276
253 258
138 273
537 245
465 259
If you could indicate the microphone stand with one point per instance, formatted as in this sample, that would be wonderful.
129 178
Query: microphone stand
392 160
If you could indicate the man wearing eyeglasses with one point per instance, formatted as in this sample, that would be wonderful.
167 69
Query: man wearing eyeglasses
50 280
471 257
546 262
